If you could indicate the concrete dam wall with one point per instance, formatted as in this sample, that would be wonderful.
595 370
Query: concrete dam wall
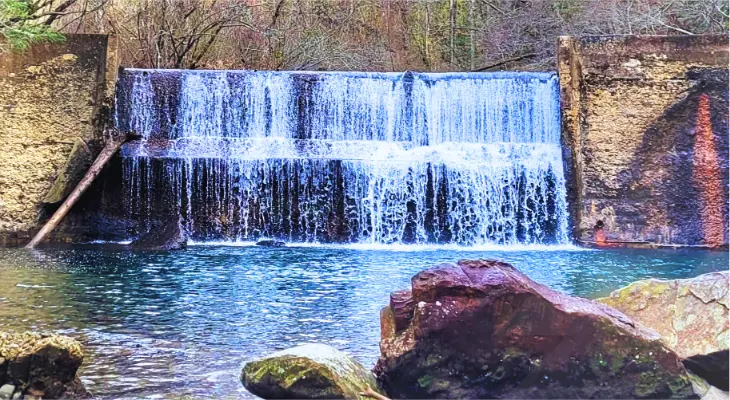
644 140
52 99
645 131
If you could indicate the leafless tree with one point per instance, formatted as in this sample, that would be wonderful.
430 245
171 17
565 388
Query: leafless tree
431 35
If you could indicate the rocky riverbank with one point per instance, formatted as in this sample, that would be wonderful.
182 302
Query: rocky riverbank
35 366
482 329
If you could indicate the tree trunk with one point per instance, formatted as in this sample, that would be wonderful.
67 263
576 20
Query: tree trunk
452 31
472 45
106 154
428 36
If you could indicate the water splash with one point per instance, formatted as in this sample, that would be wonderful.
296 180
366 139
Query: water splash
376 158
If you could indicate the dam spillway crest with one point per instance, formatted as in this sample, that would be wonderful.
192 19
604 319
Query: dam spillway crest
462 158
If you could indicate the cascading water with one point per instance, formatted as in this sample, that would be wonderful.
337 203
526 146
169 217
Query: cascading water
464 158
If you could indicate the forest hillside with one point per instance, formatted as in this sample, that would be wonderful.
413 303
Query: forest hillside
370 35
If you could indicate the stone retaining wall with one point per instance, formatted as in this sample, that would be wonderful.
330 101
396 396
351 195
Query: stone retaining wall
52 98
645 132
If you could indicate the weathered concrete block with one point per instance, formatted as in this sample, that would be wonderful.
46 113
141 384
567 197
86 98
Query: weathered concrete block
645 128
70 174
51 97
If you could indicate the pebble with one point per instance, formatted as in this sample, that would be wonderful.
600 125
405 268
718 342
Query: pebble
6 391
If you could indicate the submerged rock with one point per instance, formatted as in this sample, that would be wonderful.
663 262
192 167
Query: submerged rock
482 329
169 236
690 314
41 365
270 243
310 371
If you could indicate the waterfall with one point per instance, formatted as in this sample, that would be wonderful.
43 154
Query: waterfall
463 158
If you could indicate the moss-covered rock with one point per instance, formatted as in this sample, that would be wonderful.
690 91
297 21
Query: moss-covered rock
41 365
482 329
706 391
310 371
691 315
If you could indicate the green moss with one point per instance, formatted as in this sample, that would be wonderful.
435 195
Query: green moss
617 364
284 371
679 384
625 296
657 383
647 385
425 381
432 360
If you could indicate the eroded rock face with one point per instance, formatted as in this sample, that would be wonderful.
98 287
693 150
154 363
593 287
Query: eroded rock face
482 329
171 235
690 314
310 371
51 99
41 365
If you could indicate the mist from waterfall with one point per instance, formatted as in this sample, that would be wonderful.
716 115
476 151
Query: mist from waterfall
462 158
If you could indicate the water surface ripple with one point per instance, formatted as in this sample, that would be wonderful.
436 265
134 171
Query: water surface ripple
168 325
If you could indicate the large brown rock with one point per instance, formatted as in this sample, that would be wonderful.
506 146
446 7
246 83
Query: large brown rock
690 314
41 365
482 329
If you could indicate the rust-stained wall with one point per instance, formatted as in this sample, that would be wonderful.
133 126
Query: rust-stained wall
645 133
52 98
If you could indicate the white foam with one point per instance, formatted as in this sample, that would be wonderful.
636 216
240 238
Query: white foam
404 247
469 159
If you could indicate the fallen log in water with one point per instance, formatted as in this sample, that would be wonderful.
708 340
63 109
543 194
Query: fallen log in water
115 141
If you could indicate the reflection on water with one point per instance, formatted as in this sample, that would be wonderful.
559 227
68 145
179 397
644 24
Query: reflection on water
175 324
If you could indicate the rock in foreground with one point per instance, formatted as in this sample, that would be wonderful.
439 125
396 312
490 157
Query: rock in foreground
171 235
705 391
482 329
690 314
310 371
40 365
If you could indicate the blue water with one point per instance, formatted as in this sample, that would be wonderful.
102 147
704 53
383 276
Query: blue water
181 324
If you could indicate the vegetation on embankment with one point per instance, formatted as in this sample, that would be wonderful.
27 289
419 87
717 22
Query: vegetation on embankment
21 25
376 35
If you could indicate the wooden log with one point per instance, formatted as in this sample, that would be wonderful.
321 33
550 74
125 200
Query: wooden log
113 144
369 392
